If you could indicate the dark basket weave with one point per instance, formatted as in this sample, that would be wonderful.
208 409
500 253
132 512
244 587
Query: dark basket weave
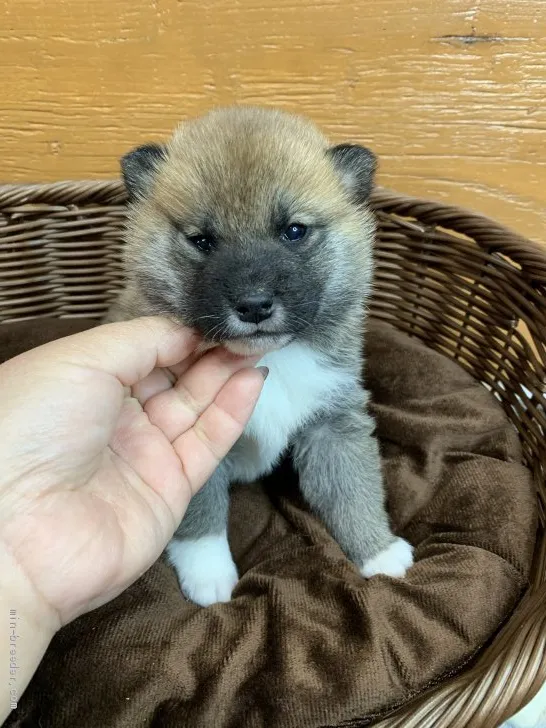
461 283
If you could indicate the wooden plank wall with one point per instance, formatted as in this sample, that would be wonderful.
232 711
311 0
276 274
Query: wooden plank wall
450 93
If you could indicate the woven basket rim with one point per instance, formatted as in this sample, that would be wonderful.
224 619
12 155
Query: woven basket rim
110 191
514 667
487 232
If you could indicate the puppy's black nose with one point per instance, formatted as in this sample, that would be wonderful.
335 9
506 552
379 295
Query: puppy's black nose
254 308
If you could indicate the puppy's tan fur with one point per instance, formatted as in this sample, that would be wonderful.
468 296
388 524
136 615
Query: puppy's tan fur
236 160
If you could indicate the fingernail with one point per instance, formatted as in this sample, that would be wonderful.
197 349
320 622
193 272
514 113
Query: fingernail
264 371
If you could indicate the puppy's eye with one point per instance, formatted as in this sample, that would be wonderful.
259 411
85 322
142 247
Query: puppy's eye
205 243
294 232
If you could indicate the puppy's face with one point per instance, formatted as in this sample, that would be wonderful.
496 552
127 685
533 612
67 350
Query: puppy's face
248 227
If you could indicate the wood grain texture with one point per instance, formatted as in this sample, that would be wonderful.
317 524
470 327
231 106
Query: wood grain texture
450 94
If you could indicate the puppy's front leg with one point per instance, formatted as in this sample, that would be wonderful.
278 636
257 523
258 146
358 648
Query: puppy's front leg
199 550
339 468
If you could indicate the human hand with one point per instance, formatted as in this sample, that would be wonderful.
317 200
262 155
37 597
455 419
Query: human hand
94 481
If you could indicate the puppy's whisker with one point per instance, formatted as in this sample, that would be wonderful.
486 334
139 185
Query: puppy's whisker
216 332
216 329
209 316
299 319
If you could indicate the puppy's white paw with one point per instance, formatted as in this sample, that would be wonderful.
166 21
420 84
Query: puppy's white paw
395 560
205 568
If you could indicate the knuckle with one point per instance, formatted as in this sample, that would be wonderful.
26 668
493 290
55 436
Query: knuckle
185 398
202 434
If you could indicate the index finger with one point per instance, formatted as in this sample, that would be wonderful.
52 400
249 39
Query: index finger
127 350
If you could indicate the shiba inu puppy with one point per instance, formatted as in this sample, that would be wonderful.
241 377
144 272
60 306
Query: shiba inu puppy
248 226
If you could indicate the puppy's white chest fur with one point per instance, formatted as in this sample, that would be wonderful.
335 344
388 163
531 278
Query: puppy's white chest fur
301 381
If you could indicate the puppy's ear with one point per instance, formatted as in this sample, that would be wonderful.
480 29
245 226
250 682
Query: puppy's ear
139 166
356 166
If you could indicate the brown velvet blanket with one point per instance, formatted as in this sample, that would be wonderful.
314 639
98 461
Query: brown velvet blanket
306 642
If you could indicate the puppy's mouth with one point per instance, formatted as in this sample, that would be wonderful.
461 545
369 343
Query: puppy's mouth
245 338
257 343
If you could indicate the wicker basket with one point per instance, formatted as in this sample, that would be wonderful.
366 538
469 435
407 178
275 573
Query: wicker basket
464 285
